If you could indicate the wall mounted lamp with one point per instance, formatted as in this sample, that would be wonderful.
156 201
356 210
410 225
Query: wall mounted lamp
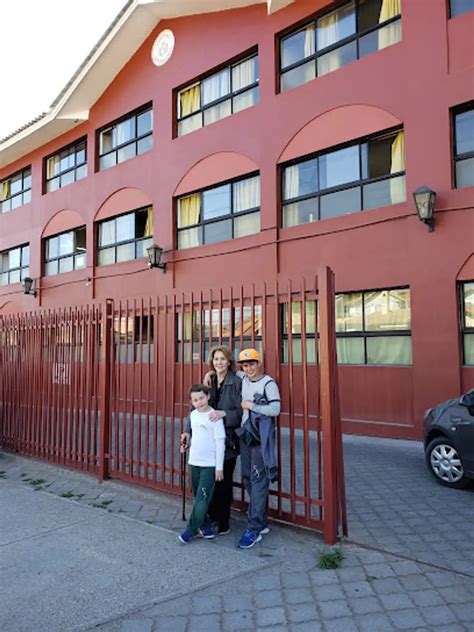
28 286
155 253
425 200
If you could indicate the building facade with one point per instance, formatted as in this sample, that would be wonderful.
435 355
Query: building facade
259 141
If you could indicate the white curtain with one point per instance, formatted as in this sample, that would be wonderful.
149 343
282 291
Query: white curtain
244 74
310 41
247 194
215 87
328 34
292 182
107 233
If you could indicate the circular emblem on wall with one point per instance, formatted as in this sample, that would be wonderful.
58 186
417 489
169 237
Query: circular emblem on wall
162 47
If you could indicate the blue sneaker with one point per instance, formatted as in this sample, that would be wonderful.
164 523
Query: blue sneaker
248 539
265 530
207 533
186 537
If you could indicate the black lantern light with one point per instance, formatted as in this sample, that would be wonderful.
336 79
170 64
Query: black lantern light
425 200
28 286
155 253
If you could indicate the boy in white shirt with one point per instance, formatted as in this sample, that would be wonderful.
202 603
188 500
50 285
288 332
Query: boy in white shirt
206 458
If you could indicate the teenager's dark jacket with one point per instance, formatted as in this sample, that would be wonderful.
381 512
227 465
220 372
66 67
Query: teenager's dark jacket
228 399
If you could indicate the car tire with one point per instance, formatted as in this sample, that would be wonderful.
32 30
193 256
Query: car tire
444 462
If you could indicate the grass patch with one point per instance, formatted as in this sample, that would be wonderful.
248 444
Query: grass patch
36 482
102 504
67 495
329 560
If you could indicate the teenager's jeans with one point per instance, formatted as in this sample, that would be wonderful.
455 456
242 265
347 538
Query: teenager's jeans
202 480
219 509
256 483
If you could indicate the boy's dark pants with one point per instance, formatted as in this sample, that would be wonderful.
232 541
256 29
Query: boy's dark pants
255 479
202 481
219 509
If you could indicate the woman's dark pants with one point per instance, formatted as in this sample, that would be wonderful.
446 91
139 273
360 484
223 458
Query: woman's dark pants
219 509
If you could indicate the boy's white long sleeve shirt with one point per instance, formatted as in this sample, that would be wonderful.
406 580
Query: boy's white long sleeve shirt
207 442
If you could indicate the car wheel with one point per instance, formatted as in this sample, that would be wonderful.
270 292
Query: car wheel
445 464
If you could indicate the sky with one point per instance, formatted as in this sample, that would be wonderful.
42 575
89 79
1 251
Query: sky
41 45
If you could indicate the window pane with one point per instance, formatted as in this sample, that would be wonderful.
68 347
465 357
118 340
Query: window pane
125 153
15 184
124 131
80 154
106 256
469 304
369 14
27 179
377 157
218 231
190 124
350 350
66 264
144 123
298 46
14 258
213 114
216 202
107 233
66 160
465 173
335 26
386 36
387 309
340 203
301 179
339 167
298 76
52 185
108 161
66 243
52 248
125 252
300 212
67 178
244 74
190 238
389 350
106 141
469 349
246 194
25 255
80 236
125 227
247 225
15 276
349 312
81 172
464 123
384 193
145 144
80 261
245 100
141 247
458 7
16 201
51 268
26 197
215 87
337 58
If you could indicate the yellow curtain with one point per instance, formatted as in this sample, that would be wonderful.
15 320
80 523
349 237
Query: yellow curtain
52 164
392 33
149 223
190 100
397 185
189 210
5 189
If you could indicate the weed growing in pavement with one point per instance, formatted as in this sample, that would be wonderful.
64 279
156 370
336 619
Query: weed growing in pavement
2 474
103 504
331 559
36 482
67 495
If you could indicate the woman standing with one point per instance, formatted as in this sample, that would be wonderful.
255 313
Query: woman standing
225 399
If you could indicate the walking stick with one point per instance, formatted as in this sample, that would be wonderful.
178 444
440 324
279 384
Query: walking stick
183 480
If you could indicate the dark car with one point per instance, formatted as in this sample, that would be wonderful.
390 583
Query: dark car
449 441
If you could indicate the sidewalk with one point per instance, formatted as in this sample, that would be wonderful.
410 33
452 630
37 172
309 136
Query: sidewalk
76 555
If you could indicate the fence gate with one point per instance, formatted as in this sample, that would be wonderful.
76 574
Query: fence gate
103 388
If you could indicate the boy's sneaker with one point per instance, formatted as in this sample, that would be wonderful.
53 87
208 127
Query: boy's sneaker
265 530
207 533
248 539
186 537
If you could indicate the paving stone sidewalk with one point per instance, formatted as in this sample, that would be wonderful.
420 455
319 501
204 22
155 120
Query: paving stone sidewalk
373 590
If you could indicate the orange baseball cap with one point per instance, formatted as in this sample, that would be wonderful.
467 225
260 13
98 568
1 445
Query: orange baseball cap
249 355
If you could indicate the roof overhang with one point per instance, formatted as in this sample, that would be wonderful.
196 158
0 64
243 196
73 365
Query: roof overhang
122 39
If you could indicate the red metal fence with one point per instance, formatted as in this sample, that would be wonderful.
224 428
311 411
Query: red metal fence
130 364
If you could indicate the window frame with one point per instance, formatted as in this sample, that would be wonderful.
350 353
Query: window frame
464 330
72 254
343 187
461 109
74 145
220 218
19 268
250 54
115 245
313 18
134 114
363 333
26 172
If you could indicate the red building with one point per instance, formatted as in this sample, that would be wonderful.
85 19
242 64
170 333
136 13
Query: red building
259 140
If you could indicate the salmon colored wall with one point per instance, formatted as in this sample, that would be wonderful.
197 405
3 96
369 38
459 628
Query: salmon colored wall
415 82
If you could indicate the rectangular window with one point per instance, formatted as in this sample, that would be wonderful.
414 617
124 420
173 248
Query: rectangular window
224 212
126 139
66 166
236 328
368 174
125 237
372 327
459 7
14 265
15 190
467 322
133 338
335 39
463 128
230 90
65 252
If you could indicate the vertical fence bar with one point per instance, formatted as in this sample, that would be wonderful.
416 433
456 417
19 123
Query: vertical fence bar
104 390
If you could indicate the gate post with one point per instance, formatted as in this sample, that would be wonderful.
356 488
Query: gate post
104 389
329 407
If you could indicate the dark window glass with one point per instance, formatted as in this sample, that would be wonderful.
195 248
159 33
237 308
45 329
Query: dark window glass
459 7
126 138
464 147
15 190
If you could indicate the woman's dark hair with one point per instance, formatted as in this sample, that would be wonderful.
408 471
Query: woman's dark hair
228 355
197 388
